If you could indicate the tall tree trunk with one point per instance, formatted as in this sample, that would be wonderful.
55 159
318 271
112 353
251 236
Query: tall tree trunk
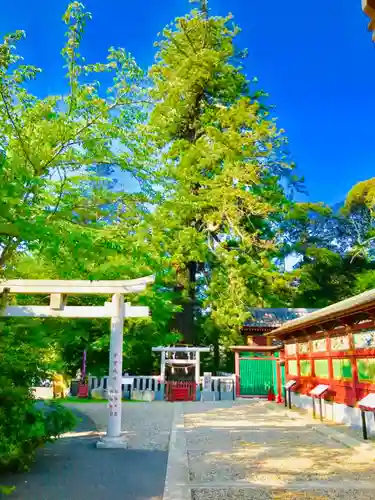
184 321
216 358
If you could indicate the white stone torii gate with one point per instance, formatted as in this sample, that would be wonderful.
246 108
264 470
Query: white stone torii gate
116 310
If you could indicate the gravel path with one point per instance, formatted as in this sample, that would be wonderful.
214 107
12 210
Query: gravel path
74 469
238 494
146 426
252 451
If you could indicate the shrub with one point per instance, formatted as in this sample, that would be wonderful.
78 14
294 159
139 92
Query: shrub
24 426
6 490
57 420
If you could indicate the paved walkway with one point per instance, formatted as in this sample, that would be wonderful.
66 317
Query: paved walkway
74 469
217 451
253 451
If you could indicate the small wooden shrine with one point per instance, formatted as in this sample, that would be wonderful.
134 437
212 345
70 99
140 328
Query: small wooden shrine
335 347
180 371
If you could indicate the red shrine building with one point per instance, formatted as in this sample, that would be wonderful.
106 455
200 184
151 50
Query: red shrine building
333 347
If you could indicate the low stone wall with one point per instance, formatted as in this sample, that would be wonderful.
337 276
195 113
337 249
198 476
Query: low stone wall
336 412
222 388
215 395
145 395
98 387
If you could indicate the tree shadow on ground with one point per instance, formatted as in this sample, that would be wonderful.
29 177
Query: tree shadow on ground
74 469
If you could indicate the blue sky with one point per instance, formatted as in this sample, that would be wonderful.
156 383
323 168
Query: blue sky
315 59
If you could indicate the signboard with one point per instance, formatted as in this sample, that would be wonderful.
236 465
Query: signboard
114 396
368 402
364 339
340 343
319 390
207 381
128 380
290 384
304 347
291 349
319 345
114 401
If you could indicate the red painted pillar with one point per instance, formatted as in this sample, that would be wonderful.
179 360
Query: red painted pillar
354 395
279 397
237 372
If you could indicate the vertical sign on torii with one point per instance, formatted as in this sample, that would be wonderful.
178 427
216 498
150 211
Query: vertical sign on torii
115 373
120 311
116 310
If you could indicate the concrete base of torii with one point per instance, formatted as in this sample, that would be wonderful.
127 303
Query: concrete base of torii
112 442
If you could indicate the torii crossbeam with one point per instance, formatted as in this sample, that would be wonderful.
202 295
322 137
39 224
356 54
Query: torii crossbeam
117 310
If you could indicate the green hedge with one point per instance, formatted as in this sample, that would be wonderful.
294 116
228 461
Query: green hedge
24 427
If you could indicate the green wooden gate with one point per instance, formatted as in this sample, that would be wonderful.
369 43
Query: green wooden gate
256 376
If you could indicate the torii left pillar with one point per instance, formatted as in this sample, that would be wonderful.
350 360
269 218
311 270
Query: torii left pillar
120 311
113 438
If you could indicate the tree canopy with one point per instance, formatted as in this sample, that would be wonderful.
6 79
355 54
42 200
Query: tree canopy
51 147
213 217
222 161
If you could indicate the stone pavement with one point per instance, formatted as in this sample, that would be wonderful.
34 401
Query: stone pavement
74 469
249 450
217 451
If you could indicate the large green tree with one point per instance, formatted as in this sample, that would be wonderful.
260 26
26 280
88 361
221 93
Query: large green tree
50 147
221 164
359 210
336 248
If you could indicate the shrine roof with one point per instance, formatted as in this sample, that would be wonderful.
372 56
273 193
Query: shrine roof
274 317
359 303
